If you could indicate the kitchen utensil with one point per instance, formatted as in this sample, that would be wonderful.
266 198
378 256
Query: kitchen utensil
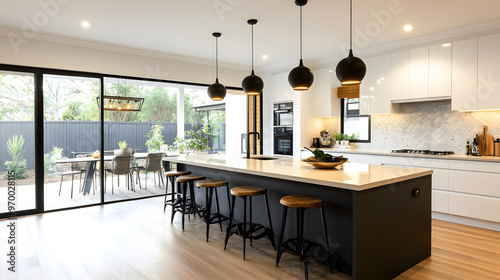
315 143
324 133
497 147
325 141
490 145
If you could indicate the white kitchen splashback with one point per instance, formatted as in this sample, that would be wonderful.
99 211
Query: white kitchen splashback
429 125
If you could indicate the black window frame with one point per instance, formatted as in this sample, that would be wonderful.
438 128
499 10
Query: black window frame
342 117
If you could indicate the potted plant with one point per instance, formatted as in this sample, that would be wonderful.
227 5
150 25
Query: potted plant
155 140
123 149
15 147
338 138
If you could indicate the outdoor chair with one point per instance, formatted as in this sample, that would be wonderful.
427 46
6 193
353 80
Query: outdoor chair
121 165
75 168
153 164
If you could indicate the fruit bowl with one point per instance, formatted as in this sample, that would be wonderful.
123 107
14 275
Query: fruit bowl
326 165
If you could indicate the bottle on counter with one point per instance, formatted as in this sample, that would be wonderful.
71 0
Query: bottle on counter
468 148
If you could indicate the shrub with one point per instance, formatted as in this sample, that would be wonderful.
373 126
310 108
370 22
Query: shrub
155 138
15 147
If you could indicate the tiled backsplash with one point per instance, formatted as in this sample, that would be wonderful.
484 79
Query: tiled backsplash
426 125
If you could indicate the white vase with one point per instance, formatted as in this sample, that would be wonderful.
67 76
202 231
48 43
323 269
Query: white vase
118 152
127 151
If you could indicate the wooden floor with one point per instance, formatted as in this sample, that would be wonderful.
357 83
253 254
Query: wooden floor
135 240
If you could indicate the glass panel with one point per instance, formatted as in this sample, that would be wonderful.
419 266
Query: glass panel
71 137
143 133
17 142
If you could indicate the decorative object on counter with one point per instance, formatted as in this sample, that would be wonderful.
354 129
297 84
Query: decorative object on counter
253 84
497 147
323 160
474 148
338 138
301 77
216 91
485 143
324 140
351 70
315 143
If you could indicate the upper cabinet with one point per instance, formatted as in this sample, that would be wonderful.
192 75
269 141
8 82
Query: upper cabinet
375 89
488 78
324 92
464 75
400 73
475 74
421 74
439 70
281 89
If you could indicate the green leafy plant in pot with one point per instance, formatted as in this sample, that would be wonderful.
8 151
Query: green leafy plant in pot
155 138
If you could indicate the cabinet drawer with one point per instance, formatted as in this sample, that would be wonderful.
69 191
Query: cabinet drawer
475 183
493 167
440 179
478 207
416 162
439 201
370 159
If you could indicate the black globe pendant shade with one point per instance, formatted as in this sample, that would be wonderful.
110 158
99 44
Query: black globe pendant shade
253 84
351 70
216 91
301 77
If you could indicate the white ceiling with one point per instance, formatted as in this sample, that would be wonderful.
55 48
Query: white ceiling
184 27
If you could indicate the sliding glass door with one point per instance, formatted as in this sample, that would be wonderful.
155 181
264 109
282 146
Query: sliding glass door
17 142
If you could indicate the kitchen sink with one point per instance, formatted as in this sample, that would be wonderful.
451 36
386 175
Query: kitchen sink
262 158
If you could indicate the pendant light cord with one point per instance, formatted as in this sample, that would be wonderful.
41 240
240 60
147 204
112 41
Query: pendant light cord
301 32
216 58
252 47
350 28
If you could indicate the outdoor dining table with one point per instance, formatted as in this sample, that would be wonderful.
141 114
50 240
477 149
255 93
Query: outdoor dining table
91 163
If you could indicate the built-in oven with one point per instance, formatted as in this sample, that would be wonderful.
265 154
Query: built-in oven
283 141
283 114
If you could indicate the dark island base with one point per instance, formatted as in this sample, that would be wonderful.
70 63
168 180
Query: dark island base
376 234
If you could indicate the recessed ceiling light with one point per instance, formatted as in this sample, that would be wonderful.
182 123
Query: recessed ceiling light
265 57
408 28
85 24
446 45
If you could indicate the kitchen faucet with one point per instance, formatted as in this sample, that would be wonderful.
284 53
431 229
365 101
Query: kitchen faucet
248 141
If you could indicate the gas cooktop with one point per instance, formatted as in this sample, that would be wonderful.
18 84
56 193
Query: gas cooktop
423 152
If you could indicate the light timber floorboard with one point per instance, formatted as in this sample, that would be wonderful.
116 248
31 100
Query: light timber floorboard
135 240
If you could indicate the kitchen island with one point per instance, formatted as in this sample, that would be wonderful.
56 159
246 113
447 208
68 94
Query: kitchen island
378 217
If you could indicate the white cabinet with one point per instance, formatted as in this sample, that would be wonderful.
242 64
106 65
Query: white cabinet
474 206
479 183
419 73
440 201
400 75
464 75
488 79
439 71
280 89
324 91
377 88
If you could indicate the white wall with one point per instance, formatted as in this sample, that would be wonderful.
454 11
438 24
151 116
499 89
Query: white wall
236 124
90 57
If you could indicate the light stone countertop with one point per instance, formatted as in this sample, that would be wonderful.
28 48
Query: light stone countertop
388 153
351 176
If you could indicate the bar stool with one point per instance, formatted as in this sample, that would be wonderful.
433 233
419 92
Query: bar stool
171 177
249 230
302 247
185 205
210 186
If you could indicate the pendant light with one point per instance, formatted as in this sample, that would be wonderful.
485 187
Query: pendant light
216 91
351 70
252 84
301 77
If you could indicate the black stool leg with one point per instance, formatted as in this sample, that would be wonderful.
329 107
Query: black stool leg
300 228
271 235
325 232
244 224
218 209
173 204
282 232
209 206
185 187
250 224
230 222
166 194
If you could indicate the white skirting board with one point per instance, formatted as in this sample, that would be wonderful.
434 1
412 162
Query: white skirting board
466 221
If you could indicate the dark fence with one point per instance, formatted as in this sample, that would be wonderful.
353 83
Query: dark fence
84 136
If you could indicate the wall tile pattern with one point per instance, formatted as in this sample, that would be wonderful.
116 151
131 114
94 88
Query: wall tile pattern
429 125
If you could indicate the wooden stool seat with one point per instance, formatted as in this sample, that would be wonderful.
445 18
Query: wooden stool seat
177 173
189 178
211 183
301 201
247 191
